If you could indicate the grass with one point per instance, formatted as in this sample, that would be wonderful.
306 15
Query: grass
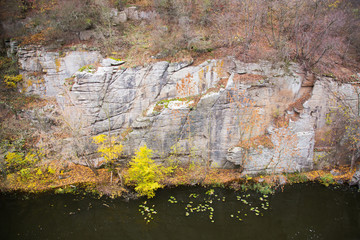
165 103
87 68
116 59
263 188
296 178
327 180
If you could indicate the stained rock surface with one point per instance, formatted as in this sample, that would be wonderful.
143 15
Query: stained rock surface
261 117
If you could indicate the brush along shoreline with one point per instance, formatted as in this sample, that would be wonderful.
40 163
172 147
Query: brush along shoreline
77 178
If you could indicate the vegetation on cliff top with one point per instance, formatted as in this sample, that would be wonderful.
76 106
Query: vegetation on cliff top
322 35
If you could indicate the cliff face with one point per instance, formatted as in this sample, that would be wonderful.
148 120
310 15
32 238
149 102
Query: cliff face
257 116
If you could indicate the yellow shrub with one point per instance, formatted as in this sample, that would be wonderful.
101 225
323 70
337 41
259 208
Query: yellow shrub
39 172
145 173
31 158
16 161
51 170
12 81
25 174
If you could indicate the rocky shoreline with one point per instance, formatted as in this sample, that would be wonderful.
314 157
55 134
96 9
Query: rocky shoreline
82 178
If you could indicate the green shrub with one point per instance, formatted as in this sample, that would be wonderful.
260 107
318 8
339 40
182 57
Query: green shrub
262 188
66 190
327 179
297 178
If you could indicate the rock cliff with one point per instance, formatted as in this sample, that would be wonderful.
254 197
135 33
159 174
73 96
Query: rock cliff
261 117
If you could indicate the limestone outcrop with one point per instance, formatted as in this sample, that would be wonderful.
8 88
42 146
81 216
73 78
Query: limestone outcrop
261 117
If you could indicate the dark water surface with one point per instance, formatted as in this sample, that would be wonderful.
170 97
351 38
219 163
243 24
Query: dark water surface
303 211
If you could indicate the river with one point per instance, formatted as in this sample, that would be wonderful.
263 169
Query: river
299 211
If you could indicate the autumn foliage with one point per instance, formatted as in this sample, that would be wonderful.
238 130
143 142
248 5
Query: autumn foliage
320 35
109 147
145 173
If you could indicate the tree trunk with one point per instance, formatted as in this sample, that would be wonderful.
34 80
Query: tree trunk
352 160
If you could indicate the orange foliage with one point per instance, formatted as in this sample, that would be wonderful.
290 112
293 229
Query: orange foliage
158 108
345 173
281 121
186 87
257 141
74 174
298 104
37 38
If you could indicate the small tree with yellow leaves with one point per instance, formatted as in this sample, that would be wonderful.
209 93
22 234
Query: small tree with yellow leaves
145 173
110 149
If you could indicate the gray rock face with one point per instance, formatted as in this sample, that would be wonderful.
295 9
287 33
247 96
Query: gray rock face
224 112
121 17
86 35
109 62
324 98
132 13
46 72
355 179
